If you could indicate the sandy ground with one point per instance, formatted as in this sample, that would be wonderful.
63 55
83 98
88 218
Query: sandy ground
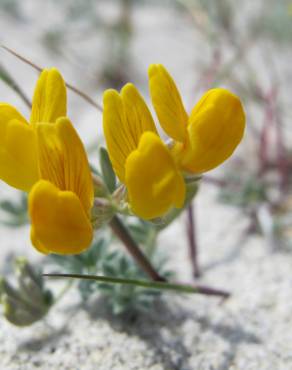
252 330
249 331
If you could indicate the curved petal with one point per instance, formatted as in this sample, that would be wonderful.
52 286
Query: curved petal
18 163
50 99
216 127
63 161
154 184
125 118
59 223
8 113
167 102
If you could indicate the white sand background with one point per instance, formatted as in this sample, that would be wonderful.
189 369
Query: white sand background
252 330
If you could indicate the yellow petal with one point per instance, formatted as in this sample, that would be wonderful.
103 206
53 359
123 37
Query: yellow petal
216 127
63 160
152 179
18 164
167 102
50 99
59 222
125 118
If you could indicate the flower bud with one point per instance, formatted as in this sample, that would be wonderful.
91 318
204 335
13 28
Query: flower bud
29 302
102 212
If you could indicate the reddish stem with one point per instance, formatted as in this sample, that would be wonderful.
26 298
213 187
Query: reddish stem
192 240
122 233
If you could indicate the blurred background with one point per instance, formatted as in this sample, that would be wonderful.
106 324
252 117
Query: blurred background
243 213
204 44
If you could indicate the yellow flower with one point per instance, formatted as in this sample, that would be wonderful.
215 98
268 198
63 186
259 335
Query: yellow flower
60 203
209 135
18 160
47 158
139 157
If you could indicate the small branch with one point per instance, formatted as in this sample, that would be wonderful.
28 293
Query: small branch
122 233
87 98
221 183
282 153
6 77
160 285
192 240
63 291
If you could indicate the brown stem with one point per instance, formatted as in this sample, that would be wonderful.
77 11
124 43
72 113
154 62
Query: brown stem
71 87
122 233
206 290
192 240
214 181
282 155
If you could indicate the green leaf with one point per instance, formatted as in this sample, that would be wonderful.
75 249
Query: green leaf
29 301
178 288
15 211
109 176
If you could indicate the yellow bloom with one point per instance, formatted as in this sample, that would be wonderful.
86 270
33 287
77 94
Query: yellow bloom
47 158
60 203
209 135
139 157
18 161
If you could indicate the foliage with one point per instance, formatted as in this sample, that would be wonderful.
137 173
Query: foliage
30 300
109 176
15 211
12 8
245 192
276 21
102 259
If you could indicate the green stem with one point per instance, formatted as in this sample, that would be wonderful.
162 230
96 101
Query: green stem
6 77
63 291
160 285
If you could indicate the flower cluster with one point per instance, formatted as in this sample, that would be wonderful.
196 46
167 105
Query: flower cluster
46 158
151 170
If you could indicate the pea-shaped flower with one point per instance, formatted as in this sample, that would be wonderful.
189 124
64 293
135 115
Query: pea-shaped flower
60 203
139 157
47 158
18 160
209 135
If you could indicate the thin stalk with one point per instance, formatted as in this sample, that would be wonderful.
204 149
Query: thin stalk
87 98
192 240
221 183
122 233
160 285
282 155
266 129
63 291
158 282
6 77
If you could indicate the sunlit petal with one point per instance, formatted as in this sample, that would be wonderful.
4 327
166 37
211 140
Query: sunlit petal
125 118
59 222
167 102
18 164
216 127
153 182
49 100
63 160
